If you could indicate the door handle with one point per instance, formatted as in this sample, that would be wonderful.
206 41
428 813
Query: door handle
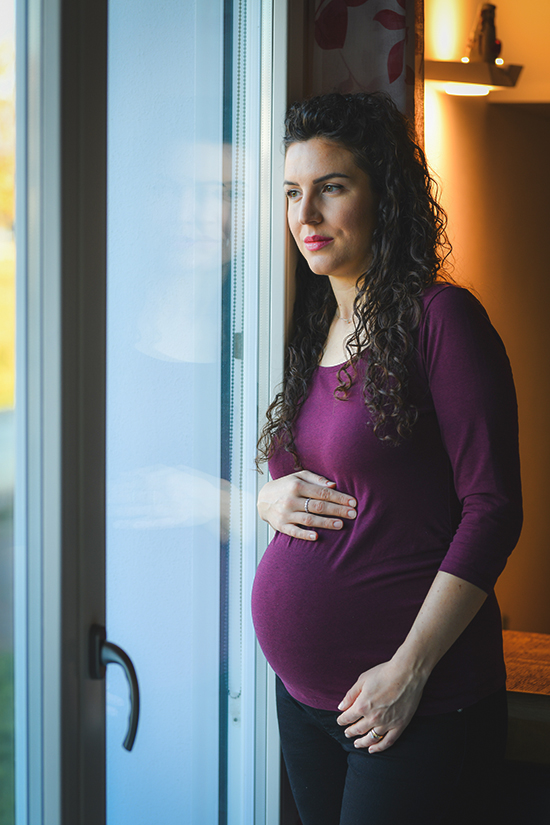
103 653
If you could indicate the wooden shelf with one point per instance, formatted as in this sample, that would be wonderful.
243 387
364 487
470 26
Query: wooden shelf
487 74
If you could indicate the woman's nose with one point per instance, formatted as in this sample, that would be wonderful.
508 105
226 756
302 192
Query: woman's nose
309 211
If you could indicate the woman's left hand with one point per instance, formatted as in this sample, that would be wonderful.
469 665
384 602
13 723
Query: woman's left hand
385 699
386 696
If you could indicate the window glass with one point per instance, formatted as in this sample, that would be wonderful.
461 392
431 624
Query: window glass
182 278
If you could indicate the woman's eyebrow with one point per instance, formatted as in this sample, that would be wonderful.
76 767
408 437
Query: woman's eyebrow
319 180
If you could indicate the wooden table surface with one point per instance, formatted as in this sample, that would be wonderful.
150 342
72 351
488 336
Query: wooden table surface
527 657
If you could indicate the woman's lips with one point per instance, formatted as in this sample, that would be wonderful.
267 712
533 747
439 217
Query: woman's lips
315 242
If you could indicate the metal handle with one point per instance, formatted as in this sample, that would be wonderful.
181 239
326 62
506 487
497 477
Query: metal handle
103 653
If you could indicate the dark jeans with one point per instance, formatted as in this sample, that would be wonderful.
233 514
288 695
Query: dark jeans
443 769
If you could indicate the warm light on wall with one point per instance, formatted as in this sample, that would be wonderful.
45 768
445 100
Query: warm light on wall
443 30
445 38
434 125
467 89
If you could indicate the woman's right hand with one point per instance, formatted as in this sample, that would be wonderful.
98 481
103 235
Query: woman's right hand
282 503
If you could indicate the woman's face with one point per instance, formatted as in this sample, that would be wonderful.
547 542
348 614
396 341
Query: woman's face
331 208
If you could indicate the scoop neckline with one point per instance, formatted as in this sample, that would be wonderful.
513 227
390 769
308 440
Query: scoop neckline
342 363
331 366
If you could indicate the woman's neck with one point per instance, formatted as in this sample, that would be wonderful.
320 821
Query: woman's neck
345 299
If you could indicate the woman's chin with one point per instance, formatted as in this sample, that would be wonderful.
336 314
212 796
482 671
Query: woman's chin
316 267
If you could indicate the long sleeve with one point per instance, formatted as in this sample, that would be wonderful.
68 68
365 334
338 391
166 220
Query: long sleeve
471 384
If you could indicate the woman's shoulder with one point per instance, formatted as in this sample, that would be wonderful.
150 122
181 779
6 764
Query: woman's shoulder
443 295
451 315
444 301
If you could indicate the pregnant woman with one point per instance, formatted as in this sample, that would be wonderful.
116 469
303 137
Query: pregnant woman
396 500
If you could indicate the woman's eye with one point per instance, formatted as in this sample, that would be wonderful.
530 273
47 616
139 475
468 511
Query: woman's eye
292 194
332 187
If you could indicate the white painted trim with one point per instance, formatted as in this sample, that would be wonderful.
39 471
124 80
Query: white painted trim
60 392
272 308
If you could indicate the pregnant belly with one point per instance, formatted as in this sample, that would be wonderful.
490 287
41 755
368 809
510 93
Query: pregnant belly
321 623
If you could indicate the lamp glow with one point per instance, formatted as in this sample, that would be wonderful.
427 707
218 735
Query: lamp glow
499 61
467 89
443 29
464 59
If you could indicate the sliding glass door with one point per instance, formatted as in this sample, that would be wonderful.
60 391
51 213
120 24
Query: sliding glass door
182 261
151 322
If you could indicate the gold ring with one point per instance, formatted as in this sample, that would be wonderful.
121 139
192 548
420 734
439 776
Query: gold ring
376 736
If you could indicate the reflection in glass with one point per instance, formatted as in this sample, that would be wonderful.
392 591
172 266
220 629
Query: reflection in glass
175 356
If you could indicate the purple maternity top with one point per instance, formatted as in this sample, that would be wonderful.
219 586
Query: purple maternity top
447 498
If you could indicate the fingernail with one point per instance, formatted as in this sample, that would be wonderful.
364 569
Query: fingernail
352 513
338 524
313 536
341 705
352 502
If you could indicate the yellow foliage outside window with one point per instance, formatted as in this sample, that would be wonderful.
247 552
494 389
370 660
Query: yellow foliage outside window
7 241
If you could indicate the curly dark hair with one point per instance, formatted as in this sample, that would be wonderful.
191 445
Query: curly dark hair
409 248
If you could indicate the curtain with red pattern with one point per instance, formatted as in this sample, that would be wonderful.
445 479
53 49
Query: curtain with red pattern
367 45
